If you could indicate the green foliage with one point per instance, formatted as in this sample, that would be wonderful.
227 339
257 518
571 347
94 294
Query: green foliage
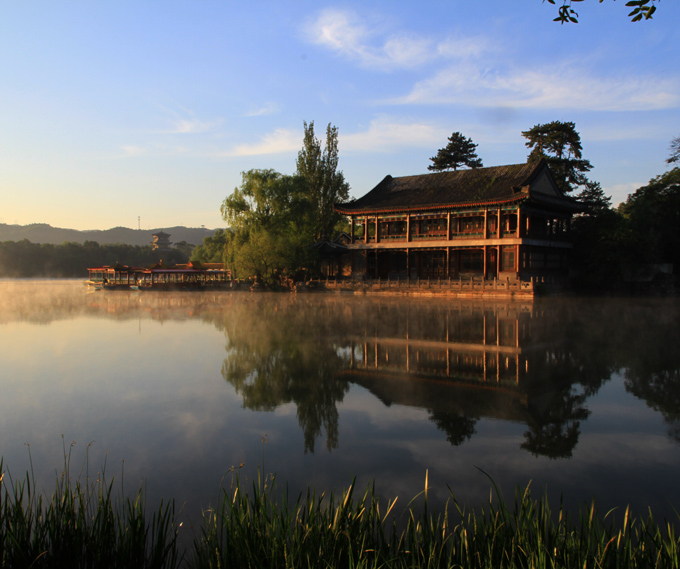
324 185
653 214
271 227
460 151
214 248
276 218
594 198
641 8
560 144
645 230
21 259
267 200
185 248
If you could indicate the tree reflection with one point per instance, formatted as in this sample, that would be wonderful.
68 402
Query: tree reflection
555 422
661 392
458 428
653 370
275 357
536 363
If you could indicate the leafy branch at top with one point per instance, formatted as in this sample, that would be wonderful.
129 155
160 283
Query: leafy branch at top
640 9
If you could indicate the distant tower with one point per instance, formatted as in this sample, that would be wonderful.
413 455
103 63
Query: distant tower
161 241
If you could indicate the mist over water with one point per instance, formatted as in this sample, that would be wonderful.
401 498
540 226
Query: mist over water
581 397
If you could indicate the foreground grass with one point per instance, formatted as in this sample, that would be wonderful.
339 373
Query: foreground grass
83 526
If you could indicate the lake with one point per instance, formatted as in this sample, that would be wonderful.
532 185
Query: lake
579 397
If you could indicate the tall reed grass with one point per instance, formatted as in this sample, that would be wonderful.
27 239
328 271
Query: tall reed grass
82 525
257 525
256 528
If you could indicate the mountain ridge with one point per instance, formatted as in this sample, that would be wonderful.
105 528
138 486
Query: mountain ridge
45 233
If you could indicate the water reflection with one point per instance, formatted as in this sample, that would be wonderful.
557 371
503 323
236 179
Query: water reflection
536 364
533 364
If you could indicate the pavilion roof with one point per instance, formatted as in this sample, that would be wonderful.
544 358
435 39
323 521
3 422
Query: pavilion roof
479 186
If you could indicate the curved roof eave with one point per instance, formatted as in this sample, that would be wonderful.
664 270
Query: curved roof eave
428 207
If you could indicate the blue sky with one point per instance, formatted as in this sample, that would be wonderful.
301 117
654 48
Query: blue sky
119 109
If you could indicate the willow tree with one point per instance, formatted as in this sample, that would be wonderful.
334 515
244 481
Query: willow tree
325 185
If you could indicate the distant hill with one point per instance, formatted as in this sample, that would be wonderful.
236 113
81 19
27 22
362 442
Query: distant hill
44 233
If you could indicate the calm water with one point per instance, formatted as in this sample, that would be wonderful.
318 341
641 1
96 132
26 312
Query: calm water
169 390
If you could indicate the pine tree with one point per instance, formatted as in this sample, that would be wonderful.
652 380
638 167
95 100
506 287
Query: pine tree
560 144
460 151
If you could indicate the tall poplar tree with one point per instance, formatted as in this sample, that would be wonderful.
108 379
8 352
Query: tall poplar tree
325 185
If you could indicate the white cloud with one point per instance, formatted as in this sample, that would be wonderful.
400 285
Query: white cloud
184 121
384 134
280 141
565 87
194 126
347 35
133 151
267 109
130 150
470 77
620 192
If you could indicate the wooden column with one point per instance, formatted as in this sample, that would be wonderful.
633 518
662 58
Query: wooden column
448 228
484 272
352 231
366 229
519 218
486 222
498 228
498 262
408 228
377 232
408 264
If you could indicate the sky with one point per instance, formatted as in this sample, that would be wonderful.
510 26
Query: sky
128 113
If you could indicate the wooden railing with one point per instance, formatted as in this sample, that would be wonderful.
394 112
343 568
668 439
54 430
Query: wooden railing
453 284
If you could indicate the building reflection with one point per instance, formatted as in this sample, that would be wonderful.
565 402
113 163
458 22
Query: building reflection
531 364
464 362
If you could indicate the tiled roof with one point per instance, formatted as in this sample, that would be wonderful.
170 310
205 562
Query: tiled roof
463 187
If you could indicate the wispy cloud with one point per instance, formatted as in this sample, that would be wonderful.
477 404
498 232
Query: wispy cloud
620 192
278 142
185 121
564 87
385 134
130 150
266 109
348 35
194 126
134 151
478 71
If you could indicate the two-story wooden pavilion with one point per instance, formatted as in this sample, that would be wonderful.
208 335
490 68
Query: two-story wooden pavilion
505 221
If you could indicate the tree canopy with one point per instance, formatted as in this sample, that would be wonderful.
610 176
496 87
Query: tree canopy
275 218
324 184
640 9
460 151
560 144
